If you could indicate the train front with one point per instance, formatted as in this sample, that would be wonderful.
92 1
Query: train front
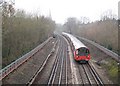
82 54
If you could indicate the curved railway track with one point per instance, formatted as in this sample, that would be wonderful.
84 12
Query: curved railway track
87 73
59 70
56 67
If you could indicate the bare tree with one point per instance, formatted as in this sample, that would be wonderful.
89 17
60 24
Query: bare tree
108 15
71 24
84 20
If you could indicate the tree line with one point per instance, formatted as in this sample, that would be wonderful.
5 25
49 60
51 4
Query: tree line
21 32
103 31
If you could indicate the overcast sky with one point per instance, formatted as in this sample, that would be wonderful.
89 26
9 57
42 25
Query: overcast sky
62 9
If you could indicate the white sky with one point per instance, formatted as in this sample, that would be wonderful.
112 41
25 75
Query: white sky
62 9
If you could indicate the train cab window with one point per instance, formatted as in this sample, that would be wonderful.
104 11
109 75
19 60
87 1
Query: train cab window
83 52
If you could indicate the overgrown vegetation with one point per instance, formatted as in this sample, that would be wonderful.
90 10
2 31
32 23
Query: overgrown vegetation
111 67
22 32
103 32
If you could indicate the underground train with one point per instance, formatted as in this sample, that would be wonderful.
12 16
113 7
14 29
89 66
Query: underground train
81 52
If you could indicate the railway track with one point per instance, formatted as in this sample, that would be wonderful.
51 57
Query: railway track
58 75
59 69
56 69
42 66
89 75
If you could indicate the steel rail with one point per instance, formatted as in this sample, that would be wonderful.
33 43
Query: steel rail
87 75
61 69
97 82
60 59
63 64
95 75
81 76
54 68
74 78
42 67
66 70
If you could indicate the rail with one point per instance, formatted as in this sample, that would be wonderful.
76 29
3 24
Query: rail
14 65
55 67
92 72
42 67
95 75
105 50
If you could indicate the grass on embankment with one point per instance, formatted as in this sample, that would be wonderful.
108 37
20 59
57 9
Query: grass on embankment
111 67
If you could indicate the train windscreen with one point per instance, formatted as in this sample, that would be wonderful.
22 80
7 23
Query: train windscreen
83 51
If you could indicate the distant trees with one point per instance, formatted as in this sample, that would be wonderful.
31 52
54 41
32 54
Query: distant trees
104 31
22 32
71 24
108 15
84 20
8 9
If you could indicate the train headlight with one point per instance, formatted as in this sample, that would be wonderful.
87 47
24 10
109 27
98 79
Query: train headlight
88 56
